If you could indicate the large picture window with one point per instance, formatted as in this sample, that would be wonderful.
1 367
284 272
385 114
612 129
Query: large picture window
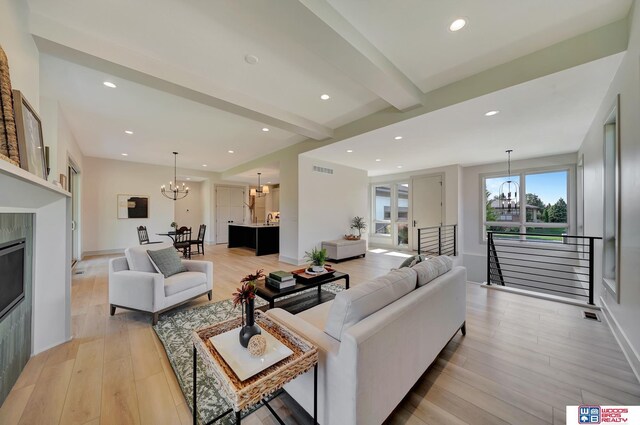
543 206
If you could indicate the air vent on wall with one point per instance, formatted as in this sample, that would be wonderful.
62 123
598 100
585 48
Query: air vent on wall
322 170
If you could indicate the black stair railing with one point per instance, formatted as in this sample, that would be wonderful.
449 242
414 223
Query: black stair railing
438 240
562 266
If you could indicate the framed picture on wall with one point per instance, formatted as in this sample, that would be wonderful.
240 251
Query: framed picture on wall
133 206
30 141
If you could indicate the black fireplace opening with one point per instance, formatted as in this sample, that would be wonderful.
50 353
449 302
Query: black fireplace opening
11 275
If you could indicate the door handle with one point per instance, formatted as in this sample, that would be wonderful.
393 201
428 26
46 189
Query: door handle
414 223
73 225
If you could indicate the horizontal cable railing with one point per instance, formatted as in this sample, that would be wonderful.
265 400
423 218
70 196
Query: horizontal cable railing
531 261
438 240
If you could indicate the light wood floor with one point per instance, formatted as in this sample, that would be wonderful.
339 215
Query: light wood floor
522 361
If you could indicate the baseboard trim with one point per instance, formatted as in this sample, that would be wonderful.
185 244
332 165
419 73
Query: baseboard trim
548 297
49 347
289 260
102 252
629 351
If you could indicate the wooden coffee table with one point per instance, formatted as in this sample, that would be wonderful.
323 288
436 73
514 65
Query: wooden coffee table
300 303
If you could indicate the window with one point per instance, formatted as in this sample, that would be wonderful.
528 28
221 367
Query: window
402 223
391 211
542 210
382 213
611 199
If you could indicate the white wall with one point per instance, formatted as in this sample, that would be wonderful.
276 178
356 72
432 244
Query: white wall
20 48
328 202
190 210
473 248
289 208
104 179
626 83
452 214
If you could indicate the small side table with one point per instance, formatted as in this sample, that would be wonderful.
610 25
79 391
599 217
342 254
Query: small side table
254 390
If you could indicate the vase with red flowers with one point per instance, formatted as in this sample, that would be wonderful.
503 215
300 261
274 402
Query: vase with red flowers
245 296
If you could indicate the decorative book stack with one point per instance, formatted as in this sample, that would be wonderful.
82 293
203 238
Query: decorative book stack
280 280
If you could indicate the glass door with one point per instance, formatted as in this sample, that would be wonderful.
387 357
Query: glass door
391 212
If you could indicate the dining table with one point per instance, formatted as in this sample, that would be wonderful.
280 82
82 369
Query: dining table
171 234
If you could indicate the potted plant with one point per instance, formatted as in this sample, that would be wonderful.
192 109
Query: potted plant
359 224
245 296
174 225
317 257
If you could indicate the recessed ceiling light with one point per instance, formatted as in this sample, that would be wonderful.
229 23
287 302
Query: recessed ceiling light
378 160
265 129
109 84
128 131
458 24
204 165
398 138
231 151
349 150
124 154
399 166
188 178
251 59
491 113
325 97
268 182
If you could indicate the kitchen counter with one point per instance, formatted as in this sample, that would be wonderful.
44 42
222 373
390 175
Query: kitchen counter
263 238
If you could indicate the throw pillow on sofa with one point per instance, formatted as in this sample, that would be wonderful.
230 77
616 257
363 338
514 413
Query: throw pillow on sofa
166 261
412 261
354 304
432 268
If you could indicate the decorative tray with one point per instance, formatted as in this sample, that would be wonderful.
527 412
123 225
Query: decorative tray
238 358
302 276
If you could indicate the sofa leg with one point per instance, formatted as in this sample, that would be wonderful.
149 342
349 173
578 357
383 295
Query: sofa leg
155 318
463 328
112 309
210 295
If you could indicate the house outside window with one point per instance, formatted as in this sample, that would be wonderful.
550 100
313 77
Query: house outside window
543 204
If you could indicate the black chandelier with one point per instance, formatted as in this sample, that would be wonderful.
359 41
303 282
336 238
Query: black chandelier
509 190
174 192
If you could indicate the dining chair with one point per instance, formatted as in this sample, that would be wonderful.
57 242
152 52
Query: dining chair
143 236
199 243
183 241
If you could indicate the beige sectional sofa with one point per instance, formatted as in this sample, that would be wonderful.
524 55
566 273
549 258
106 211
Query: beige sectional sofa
376 339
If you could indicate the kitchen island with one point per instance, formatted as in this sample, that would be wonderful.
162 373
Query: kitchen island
263 238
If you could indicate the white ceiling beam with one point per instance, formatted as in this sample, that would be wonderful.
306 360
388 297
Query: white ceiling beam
58 40
596 44
322 30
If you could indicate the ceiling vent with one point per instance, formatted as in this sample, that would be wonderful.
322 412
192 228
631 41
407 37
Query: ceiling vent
324 170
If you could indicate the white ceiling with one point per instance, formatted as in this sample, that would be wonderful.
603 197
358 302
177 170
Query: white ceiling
367 55
546 116
161 122
414 34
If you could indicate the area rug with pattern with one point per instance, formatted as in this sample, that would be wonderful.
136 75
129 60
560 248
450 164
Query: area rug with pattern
174 331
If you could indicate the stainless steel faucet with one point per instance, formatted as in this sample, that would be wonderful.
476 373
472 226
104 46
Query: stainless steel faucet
269 218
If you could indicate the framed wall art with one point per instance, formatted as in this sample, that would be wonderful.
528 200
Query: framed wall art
30 141
133 206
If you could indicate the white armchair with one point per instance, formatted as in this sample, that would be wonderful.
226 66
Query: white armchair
134 284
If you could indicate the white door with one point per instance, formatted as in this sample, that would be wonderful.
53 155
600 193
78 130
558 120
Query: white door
427 204
229 209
